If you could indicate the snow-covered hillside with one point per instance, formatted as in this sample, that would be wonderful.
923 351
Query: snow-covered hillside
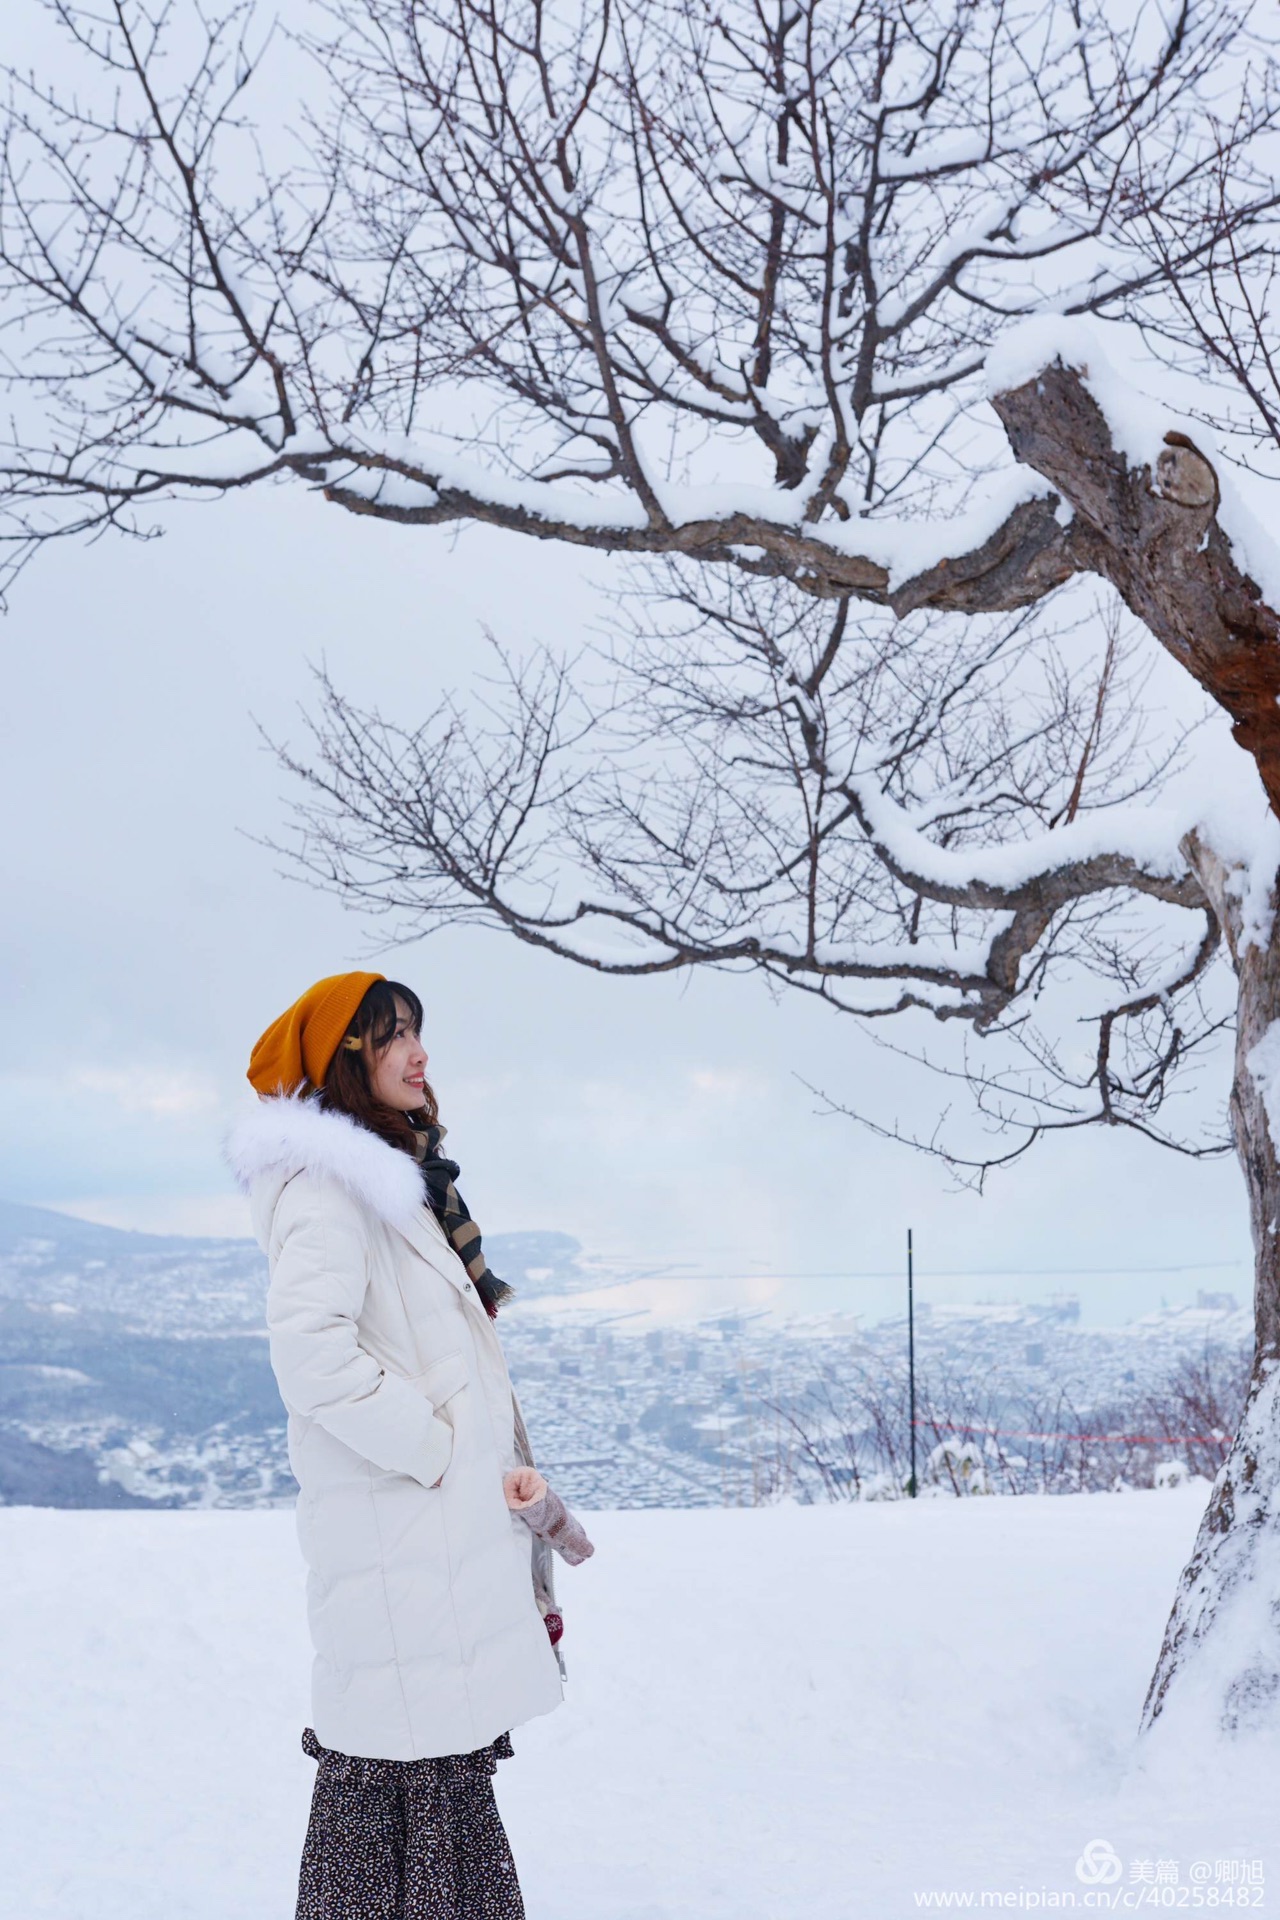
134 1371
778 1713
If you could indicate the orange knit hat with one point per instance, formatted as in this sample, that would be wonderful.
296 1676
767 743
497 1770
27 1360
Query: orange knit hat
297 1048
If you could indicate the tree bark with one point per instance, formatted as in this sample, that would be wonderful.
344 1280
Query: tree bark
1156 538
1223 1634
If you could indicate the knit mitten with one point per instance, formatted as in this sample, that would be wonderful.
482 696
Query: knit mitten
550 1518
547 1515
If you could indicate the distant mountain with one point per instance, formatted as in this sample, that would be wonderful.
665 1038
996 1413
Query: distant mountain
183 1282
157 1283
119 1350
19 1224
134 1369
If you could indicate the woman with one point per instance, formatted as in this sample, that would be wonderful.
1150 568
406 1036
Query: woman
430 1602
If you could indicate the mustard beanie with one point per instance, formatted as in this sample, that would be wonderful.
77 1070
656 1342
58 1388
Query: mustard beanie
297 1048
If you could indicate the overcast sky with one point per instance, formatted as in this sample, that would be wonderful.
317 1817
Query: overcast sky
148 940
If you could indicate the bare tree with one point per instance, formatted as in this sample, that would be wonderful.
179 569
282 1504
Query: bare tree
983 1428
718 284
1219 318
900 818
1197 1408
564 270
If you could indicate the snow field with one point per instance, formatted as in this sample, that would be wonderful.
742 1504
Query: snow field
782 1713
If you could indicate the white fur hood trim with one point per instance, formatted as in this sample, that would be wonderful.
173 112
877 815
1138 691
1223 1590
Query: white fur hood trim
290 1133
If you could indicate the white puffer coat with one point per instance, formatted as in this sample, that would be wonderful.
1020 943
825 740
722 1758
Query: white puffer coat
428 1636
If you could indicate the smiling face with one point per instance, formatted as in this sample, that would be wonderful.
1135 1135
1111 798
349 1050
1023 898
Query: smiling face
397 1074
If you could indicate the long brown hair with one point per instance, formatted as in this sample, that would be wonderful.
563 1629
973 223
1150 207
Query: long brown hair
346 1086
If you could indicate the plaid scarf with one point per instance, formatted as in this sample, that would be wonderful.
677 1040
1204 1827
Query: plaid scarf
450 1209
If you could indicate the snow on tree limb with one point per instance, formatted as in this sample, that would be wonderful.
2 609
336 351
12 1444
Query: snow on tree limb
596 224
1153 529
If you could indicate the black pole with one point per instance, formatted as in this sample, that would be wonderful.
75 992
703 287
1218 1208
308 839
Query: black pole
911 1356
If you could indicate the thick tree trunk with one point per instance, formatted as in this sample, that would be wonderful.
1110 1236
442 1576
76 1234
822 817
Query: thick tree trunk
1156 537
1222 1642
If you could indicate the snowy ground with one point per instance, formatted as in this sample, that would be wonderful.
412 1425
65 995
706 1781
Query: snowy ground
772 1714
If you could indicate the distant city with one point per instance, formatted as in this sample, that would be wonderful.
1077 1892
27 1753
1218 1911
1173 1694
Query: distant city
134 1372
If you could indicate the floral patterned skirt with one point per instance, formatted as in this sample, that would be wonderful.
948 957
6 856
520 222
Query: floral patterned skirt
407 1839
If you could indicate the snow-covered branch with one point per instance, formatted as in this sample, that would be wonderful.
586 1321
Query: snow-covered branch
755 806
718 285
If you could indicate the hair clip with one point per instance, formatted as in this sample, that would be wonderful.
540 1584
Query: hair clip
353 1041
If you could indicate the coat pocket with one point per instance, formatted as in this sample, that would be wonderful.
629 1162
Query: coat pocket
440 1383
443 1378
